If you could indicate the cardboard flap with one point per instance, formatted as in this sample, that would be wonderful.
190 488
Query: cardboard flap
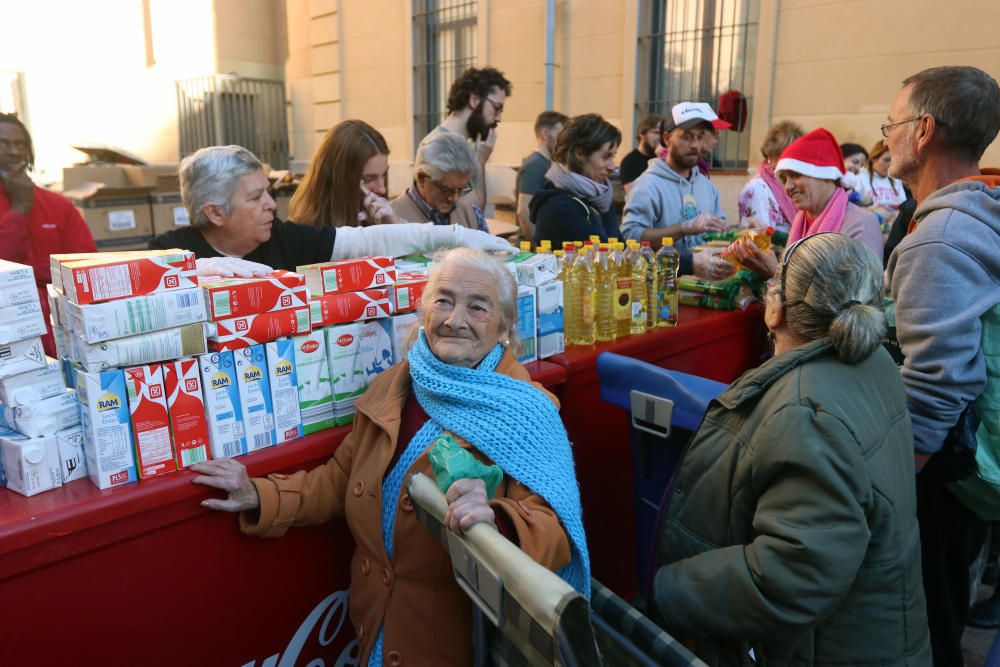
105 153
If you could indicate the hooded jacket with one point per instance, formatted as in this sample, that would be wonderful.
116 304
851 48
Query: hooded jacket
561 217
661 197
944 276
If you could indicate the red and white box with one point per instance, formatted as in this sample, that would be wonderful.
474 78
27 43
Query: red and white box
96 280
349 275
405 294
239 332
349 307
186 408
238 297
147 404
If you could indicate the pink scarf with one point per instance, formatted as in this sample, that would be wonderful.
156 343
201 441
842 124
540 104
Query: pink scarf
785 203
829 220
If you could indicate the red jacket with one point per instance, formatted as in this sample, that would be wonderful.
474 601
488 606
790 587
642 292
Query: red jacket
52 226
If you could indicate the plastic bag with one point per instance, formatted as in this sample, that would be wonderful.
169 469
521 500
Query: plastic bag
451 463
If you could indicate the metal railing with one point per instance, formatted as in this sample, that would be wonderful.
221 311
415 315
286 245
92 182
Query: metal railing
225 109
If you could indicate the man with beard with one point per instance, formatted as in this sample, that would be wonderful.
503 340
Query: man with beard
34 222
648 135
672 197
531 175
475 108
944 280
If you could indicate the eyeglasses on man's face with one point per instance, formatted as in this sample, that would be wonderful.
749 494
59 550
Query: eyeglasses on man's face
451 193
888 127
497 106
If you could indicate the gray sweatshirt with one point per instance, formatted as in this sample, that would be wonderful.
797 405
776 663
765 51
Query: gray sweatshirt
943 277
661 197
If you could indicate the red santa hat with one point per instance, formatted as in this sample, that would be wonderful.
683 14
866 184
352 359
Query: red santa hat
815 154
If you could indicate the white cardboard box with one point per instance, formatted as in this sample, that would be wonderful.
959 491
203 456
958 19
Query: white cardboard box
31 465
21 321
44 417
136 315
33 386
21 357
255 396
222 404
107 437
142 349
284 389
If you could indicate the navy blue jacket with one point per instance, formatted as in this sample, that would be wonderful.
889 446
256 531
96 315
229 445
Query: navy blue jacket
560 217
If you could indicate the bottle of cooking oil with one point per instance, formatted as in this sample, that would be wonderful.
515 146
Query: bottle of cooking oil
582 299
638 267
668 262
623 290
646 250
604 289
761 239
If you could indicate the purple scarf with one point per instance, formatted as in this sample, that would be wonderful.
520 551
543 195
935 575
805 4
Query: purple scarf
829 220
785 203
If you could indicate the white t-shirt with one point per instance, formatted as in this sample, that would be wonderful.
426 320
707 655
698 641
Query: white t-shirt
880 190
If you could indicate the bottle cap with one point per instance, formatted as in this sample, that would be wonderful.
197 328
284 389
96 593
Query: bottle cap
667 241
645 244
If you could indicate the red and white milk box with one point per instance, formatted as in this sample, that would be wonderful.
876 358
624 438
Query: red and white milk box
117 277
405 294
238 297
147 403
186 408
349 275
348 307
239 332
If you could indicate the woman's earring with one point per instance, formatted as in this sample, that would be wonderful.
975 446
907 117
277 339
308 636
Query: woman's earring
770 336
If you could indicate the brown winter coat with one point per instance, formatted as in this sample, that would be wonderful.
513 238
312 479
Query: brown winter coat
427 617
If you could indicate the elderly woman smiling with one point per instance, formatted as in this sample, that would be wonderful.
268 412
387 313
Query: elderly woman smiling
460 377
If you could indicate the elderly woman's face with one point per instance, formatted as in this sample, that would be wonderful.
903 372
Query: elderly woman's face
809 194
445 193
251 210
463 318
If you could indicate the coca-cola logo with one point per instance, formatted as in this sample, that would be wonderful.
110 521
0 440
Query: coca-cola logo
309 346
345 340
326 619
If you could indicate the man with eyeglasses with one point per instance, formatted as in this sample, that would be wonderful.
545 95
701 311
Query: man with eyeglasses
444 165
475 108
943 280
34 222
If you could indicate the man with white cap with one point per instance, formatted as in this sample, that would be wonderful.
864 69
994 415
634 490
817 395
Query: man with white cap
673 198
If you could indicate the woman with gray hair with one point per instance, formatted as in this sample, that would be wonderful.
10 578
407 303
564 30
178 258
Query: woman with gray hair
234 230
444 166
791 533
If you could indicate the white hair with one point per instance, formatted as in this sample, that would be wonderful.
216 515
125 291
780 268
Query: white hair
445 152
211 175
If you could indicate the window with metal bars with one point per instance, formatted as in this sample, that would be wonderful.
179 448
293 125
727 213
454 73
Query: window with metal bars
444 45
700 51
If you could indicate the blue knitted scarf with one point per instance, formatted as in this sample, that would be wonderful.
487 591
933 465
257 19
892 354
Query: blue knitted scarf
511 422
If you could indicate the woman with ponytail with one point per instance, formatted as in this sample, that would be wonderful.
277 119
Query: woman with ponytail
791 534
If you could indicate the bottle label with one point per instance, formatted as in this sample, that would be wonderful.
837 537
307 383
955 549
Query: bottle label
623 299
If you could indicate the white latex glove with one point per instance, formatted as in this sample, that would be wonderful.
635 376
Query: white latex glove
376 209
231 267
711 266
409 238
704 222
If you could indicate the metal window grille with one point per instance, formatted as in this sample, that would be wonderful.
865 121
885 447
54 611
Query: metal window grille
695 51
12 94
224 109
444 45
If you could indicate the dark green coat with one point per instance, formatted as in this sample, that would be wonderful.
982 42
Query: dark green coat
792 525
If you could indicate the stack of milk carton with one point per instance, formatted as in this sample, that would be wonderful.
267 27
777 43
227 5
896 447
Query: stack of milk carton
351 303
250 375
539 305
126 324
40 437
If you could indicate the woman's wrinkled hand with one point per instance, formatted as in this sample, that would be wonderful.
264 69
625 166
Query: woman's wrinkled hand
468 505
230 476
749 255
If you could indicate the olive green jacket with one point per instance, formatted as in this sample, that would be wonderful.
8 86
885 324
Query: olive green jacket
792 525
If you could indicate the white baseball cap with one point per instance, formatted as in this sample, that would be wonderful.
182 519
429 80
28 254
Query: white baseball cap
686 115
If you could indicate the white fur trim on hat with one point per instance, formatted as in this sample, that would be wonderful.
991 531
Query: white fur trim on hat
828 173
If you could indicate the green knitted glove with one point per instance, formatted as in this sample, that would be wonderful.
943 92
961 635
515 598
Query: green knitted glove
451 463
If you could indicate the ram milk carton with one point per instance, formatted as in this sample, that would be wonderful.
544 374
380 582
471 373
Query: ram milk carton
31 465
255 397
526 328
21 356
147 401
551 328
107 435
284 389
44 417
33 386
21 321
186 407
17 284
135 315
315 388
222 404
72 458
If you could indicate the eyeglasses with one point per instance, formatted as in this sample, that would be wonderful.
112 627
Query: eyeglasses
888 127
497 107
452 192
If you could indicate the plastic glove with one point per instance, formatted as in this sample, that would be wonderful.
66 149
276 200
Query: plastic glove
711 266
704 222
409 238
473 238
764 264
376 209
231 267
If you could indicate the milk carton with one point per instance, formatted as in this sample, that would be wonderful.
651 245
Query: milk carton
550 319
44 417
72 458
21 321
237 297
406 292
121 276
17 284
349 275
535 270
526 328
21 356
255 397
315 388
147 402
142 349
239 332
345 307
222 404
31 465
135 315
284 389
346 376
186 407
33 386
107 437
400 327
374 349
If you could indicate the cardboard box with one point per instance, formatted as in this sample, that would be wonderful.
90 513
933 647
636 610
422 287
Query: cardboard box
284 389
551 328
400 327
43 417
222 404
145 348
168 212
135 315
33 386
315 389
107 436
186 408
24 320
17 284
56 261
239 297
240 332
147 403
116 217
108 175
21 356
526 328
349 307
95 280
255 397
405 294
31 465
72 458
349 275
